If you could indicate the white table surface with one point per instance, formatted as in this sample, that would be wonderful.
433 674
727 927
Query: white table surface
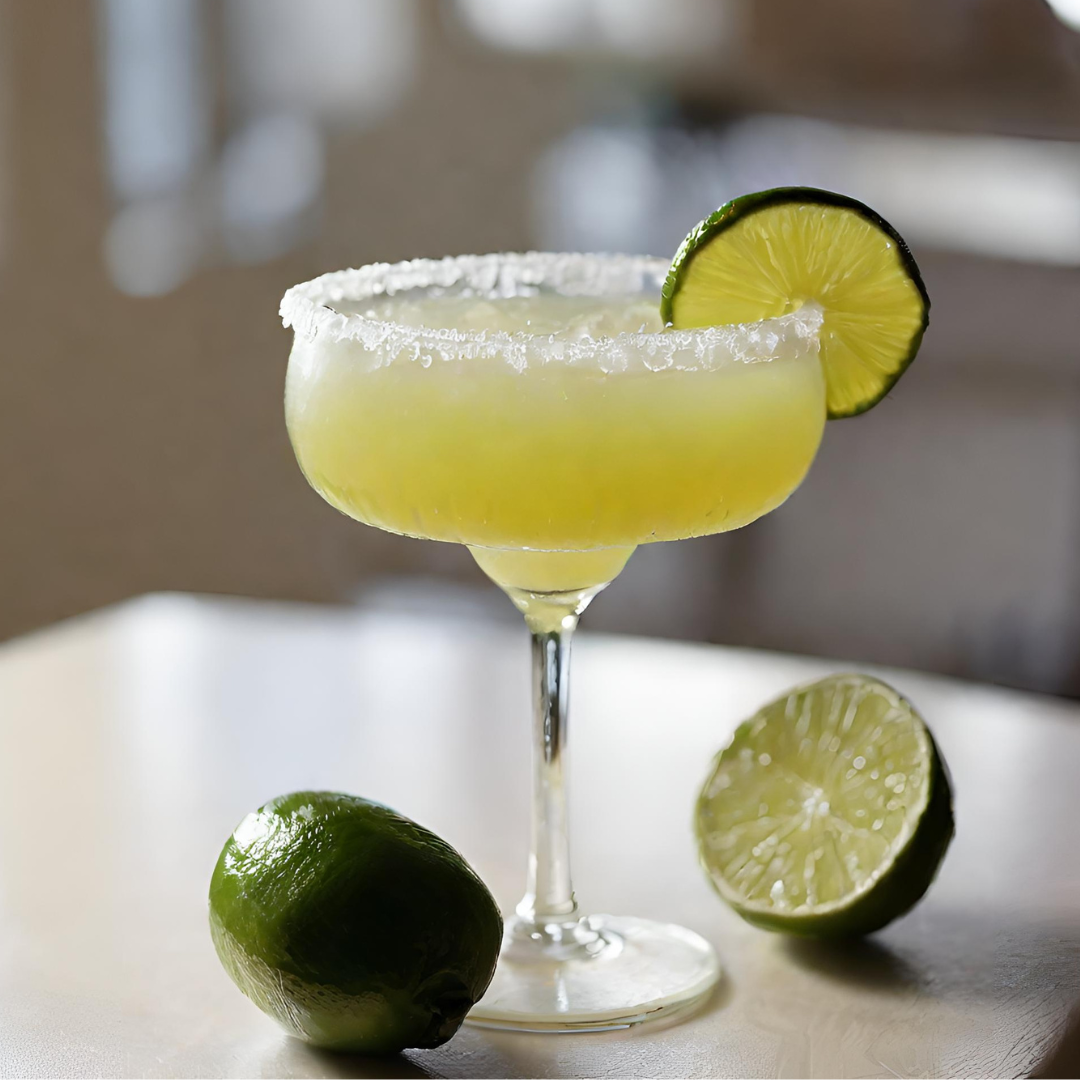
133 740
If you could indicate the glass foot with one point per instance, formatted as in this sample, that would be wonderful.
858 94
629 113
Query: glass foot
598 974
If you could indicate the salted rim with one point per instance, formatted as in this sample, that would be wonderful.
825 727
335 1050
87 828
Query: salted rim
304 309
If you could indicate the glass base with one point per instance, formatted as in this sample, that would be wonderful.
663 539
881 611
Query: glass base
598 974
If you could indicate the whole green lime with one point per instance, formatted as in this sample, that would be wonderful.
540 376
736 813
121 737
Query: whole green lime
352 926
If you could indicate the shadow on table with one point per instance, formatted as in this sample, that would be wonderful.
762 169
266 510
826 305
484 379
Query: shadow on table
862 962
719 999
494 1053
987 959
986 954
337 1066
1063 1061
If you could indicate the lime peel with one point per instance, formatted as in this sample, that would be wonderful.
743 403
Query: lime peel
352 926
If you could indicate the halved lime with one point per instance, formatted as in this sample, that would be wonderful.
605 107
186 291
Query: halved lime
767 254
829 812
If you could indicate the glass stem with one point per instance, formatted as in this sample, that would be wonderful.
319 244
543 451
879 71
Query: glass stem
549 898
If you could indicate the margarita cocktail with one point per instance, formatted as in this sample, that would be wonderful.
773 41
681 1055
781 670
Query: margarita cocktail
547 420
534 408
552 412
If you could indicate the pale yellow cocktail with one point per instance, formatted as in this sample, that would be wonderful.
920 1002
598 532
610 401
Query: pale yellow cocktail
549 422
534 408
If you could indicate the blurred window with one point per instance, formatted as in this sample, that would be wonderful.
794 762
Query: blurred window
156 112
157 134
291 69
1068 11
271 183
348 61
632 188
641 29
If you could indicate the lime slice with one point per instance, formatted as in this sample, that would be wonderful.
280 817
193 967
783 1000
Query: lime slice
829 812
353 927
767 254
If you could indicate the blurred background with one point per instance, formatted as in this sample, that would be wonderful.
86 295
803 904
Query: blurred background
169 167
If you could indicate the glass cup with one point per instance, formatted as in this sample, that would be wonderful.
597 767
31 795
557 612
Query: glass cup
462 435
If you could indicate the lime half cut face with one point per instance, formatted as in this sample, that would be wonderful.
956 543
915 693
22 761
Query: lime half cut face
829 812
767 254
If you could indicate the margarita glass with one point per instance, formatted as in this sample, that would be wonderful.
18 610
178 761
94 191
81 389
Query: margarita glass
534 408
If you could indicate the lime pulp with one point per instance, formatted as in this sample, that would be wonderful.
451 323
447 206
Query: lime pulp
829 811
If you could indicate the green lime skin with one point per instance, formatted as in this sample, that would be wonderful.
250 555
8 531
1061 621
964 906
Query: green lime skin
352 926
